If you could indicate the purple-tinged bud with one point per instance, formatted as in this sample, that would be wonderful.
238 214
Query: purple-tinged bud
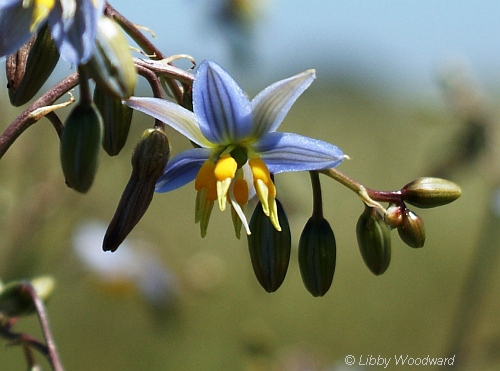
30 67
148 163
394 216
81 141
117 118
374 240
412 230
317 255
430 192
111 65
269 249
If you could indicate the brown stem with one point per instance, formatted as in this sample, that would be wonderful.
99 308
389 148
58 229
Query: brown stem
25 120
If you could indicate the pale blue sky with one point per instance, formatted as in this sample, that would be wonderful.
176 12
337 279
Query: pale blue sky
400 42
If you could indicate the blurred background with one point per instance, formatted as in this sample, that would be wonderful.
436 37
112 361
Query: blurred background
405 89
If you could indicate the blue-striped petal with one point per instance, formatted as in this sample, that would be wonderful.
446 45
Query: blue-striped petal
175 116
182 169
272 104
75 36
283 152
220 104
15 24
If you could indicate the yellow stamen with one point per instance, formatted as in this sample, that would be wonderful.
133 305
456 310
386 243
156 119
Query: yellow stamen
265 189
41 11
225 169
206 179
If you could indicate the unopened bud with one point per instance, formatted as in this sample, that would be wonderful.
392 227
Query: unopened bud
111 65
80 145
269 249
148 163
317 255
374 240
412 230
17 300
430 192
394 216
117 118
30 67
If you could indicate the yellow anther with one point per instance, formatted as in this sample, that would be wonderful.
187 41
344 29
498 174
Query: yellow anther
41 10
225 169
240 191
205 179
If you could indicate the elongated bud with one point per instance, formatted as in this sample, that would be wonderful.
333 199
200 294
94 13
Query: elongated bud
374 240
15 297
148 163
430 192
412 230
117 118
111 66
317 255
269 249
80 145
30 67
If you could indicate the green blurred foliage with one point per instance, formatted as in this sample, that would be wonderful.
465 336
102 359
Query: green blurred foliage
223 319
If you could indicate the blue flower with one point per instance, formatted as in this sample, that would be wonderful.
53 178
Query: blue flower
72 23
239 145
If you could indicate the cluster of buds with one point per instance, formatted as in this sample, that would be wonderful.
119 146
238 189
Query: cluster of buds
373 227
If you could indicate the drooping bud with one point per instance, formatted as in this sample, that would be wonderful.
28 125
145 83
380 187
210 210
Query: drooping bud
15 297
430 192
111 65
80 145
117 118
412 230
30 67
394 216
269 248
317 255
148 163
374 240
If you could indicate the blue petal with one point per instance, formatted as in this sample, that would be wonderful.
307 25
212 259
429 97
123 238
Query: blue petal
220 104
283 152
272 104
182 169
15 24
75 36
175 116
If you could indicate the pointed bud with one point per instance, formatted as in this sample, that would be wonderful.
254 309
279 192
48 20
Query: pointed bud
374 240
269 249
111 66
412 230
15 297
117 118
80 145
148 163
430 192
30 67
317 255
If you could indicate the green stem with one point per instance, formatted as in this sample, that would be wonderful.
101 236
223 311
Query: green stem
317 197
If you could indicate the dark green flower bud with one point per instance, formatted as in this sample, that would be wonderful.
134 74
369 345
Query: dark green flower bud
430 192
269 248
80 145
111 66
412 230
30 67
148 163
374 240
117 118
15 297
317 255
